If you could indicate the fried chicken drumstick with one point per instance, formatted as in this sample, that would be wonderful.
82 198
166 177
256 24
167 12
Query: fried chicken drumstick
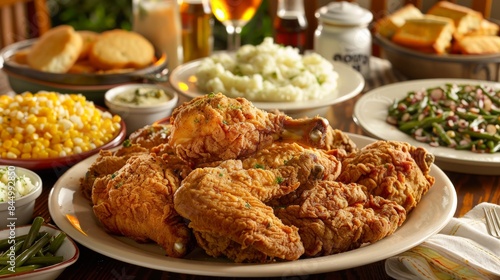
214 127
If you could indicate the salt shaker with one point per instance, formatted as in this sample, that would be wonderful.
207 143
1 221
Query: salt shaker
343 35
159 22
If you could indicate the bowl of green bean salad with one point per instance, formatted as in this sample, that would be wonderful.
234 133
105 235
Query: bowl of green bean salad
458 120
37 251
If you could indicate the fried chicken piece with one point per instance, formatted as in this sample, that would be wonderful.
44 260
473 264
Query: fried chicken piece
339 143
106 163
334 217
214 127
226 202
137 202
394 170
150 136
312 165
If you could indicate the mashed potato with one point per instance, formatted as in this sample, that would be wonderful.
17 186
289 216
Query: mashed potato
268 72
21 185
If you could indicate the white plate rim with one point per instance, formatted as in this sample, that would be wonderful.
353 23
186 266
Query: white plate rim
370 112
350 84
434 211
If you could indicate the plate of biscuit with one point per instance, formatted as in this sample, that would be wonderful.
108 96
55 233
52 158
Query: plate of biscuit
447 41
71 60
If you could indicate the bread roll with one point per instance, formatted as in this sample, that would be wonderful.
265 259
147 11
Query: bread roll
118 49
55 51
429 34
389 24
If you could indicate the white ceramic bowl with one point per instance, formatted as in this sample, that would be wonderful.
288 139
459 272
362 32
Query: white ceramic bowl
68 250
138 116
21 212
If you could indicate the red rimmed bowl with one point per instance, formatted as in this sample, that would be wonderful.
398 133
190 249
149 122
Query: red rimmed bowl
68 250
67 161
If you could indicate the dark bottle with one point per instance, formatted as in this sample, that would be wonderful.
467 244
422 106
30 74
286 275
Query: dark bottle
290 24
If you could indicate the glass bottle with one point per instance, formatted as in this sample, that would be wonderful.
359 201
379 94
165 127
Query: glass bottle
197 25
290 24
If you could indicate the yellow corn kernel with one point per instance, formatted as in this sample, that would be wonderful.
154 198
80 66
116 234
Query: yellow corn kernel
68 143
19 137
15 151
26 148
31 119
7 144
53 154
26 156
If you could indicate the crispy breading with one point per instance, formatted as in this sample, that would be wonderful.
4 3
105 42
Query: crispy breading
137 201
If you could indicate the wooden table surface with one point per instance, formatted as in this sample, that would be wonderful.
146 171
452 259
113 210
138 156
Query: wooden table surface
471 190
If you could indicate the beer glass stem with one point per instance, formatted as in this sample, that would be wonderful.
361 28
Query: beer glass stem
233 37
230 37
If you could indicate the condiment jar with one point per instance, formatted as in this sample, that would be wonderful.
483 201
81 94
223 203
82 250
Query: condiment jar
343 35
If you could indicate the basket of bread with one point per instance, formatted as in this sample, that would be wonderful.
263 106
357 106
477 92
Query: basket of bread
447 41
68 60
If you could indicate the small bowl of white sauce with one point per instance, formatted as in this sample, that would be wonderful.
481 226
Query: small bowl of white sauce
140 104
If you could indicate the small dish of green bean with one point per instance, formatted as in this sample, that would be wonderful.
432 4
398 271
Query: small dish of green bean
36 251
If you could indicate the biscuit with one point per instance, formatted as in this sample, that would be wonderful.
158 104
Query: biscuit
56 50
466 19
117 49
479 44
389 24
429 34
88 39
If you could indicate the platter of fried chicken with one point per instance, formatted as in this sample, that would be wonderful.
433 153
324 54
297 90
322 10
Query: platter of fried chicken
225 189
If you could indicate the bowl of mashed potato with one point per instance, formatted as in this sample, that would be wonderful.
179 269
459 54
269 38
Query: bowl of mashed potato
19 189
272 76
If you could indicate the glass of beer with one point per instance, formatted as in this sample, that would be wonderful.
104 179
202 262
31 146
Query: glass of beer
234 14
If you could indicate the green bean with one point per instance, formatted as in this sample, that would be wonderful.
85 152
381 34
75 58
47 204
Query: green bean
457 109
5 243
495 148
492 97
20 269
442 134
28 253
482 135
44 261
57 242
33 232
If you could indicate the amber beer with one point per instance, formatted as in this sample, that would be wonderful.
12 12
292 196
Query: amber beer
197 25
240 11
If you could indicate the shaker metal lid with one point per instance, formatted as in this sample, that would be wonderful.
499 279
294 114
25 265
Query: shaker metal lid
344 13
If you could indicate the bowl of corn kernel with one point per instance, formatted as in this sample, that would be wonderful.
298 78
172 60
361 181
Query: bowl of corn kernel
48 129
